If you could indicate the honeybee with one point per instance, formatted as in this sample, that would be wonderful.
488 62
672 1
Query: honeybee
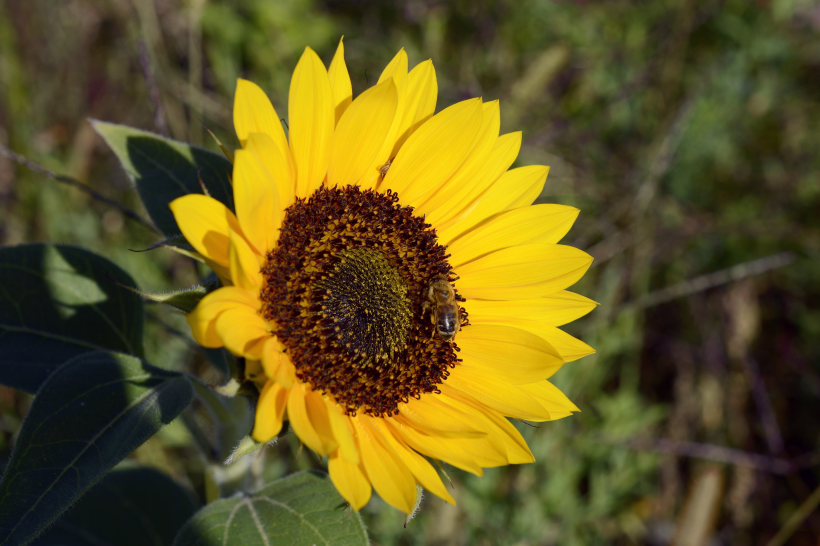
446 315
384 168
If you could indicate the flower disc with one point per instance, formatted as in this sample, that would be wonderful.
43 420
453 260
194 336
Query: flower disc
347 287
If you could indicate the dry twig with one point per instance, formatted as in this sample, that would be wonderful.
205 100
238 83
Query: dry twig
712 280
36 167
147 73
797 519
768 419
720 454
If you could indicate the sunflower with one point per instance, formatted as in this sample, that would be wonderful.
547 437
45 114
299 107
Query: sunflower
393 292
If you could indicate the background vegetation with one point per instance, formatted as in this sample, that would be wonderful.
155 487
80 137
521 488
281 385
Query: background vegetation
686 131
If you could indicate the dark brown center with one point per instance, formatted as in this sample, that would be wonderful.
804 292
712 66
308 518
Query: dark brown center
346 287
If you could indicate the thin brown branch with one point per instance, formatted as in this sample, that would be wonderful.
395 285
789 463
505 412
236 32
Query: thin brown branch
153 88
211 105
195 63
797 519
720 454
712 280
613 245
662 157
36 167
768 419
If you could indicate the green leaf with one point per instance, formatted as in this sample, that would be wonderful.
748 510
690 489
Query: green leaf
230 418
57 302
164 169
129 507
302 509
224 363
88 415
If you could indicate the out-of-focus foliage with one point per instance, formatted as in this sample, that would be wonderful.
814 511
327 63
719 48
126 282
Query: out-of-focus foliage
685 131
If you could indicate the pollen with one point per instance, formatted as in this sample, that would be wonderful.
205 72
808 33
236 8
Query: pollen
347 287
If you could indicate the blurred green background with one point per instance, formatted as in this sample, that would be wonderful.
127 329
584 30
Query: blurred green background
686 131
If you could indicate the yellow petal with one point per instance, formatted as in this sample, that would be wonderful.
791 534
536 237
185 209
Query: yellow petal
278 163
243 332
460 184
486 387
502 156
245 264
515 188
387 472
361 133
271 355
350 481
270 409
341 426
487 451
554 310
300 420
318 413
340 88
501 433
202 319
433 153
420 103
206 224
286 373
312 119
523 271
518 452
253 113
429 415
551 398
257 201
451 451
273 359
422 471
535 224
396 69
569 347
516 356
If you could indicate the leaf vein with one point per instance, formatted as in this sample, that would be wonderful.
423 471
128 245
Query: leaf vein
298 514
258 524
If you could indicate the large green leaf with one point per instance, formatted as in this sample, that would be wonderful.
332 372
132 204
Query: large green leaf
164 169
88 415
302 509
57 302
128 507
230 419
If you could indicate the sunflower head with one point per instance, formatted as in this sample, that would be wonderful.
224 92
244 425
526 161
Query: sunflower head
345 288
358 245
